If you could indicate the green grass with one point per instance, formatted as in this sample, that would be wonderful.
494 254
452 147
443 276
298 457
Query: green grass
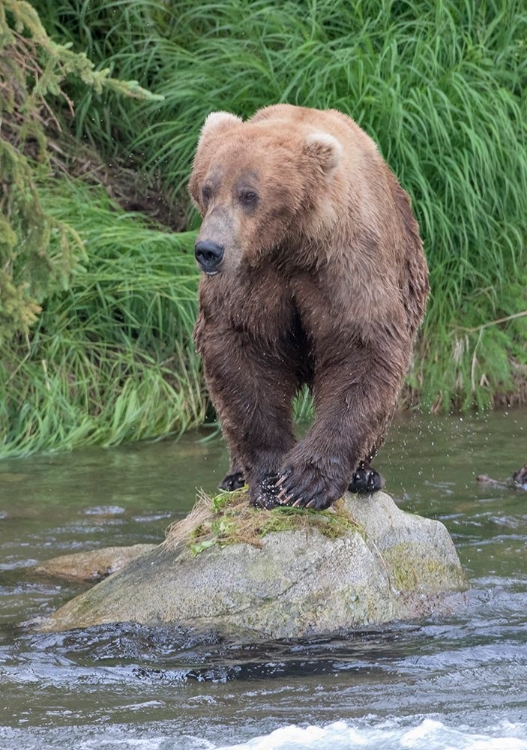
111 359
228 518
440 86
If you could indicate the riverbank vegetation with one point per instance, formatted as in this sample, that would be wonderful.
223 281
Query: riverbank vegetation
97 279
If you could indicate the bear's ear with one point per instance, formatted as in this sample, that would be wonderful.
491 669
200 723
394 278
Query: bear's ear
325 148
218 122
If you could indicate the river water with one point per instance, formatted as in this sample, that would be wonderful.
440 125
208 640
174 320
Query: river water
451 682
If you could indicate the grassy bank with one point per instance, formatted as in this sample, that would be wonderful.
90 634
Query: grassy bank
440 86
110 359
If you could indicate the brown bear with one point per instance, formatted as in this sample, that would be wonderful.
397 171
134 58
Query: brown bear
313 273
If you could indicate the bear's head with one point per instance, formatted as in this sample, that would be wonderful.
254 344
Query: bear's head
258 186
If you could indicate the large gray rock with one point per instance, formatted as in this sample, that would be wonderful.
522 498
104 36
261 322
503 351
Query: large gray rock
392 565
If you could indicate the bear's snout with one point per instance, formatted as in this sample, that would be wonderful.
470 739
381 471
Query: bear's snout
209 256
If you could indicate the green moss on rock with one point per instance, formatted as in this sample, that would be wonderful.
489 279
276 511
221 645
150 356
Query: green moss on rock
411 566
227 518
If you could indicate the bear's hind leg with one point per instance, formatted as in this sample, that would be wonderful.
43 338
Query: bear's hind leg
365 480
234 479
232 482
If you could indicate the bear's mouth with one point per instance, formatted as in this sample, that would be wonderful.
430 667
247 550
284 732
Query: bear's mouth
211 273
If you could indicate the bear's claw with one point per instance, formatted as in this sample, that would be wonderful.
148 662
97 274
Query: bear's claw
304 487
307 487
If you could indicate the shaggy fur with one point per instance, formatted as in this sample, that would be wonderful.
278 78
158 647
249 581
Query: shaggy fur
323 282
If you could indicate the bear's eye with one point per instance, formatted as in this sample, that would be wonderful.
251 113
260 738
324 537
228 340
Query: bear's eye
248 198
206 193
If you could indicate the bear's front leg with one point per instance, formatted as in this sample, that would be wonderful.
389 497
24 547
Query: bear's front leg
252 391
355 395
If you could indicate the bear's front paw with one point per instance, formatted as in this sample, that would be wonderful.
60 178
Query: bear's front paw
365 481
305 486
233 482
266 493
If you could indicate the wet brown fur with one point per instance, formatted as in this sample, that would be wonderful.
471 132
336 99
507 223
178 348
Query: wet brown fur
323 282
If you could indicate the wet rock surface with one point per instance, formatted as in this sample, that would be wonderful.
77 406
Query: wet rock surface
93 565
390 565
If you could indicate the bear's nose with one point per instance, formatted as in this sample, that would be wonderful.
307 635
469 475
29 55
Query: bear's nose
209 256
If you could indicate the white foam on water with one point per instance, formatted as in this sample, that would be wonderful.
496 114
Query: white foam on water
188 742
429 735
